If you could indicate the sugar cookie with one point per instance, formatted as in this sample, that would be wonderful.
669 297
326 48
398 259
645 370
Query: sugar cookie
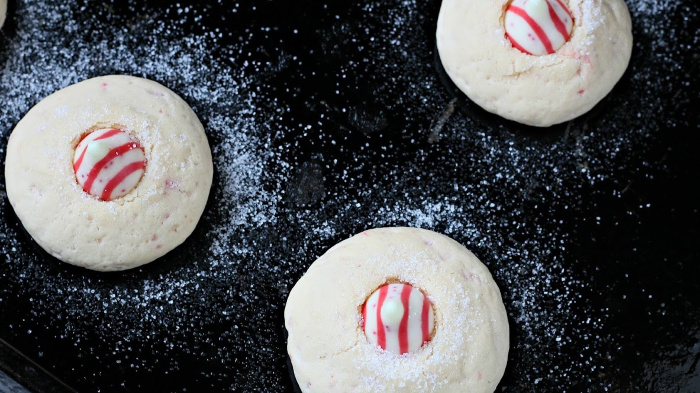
3 11
110 173
455 338
502 54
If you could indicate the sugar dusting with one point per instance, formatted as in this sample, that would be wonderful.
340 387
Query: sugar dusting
320 131
120 322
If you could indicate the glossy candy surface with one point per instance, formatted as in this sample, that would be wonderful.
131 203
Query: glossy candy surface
538 27
108 163
398 318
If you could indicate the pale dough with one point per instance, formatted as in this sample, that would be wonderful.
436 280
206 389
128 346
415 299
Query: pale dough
3 11
534 90
329 351
159 214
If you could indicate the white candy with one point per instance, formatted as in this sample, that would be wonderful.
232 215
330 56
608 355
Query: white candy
108 163
538 27
398 318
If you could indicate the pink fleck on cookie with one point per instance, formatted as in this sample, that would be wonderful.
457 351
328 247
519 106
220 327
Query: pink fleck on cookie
538 27
108 163
398 318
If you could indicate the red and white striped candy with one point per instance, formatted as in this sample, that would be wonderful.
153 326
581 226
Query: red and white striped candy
398 318
538 27
108 163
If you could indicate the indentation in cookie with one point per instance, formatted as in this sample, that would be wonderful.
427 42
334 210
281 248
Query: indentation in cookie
108 163
538 27
398 318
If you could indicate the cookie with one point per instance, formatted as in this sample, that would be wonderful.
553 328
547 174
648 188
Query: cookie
3 11
109 173
520 59
442 300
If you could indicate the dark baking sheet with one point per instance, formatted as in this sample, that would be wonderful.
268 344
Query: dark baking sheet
327 118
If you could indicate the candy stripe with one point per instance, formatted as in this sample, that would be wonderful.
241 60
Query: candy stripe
95 170
403 327
79 161
565 8
557 22
119 177
534 26
425 319
107 134
516 44
381 334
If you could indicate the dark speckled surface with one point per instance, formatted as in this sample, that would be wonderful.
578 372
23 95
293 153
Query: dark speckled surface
326 119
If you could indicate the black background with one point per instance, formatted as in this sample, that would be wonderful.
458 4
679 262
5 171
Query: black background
326 119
